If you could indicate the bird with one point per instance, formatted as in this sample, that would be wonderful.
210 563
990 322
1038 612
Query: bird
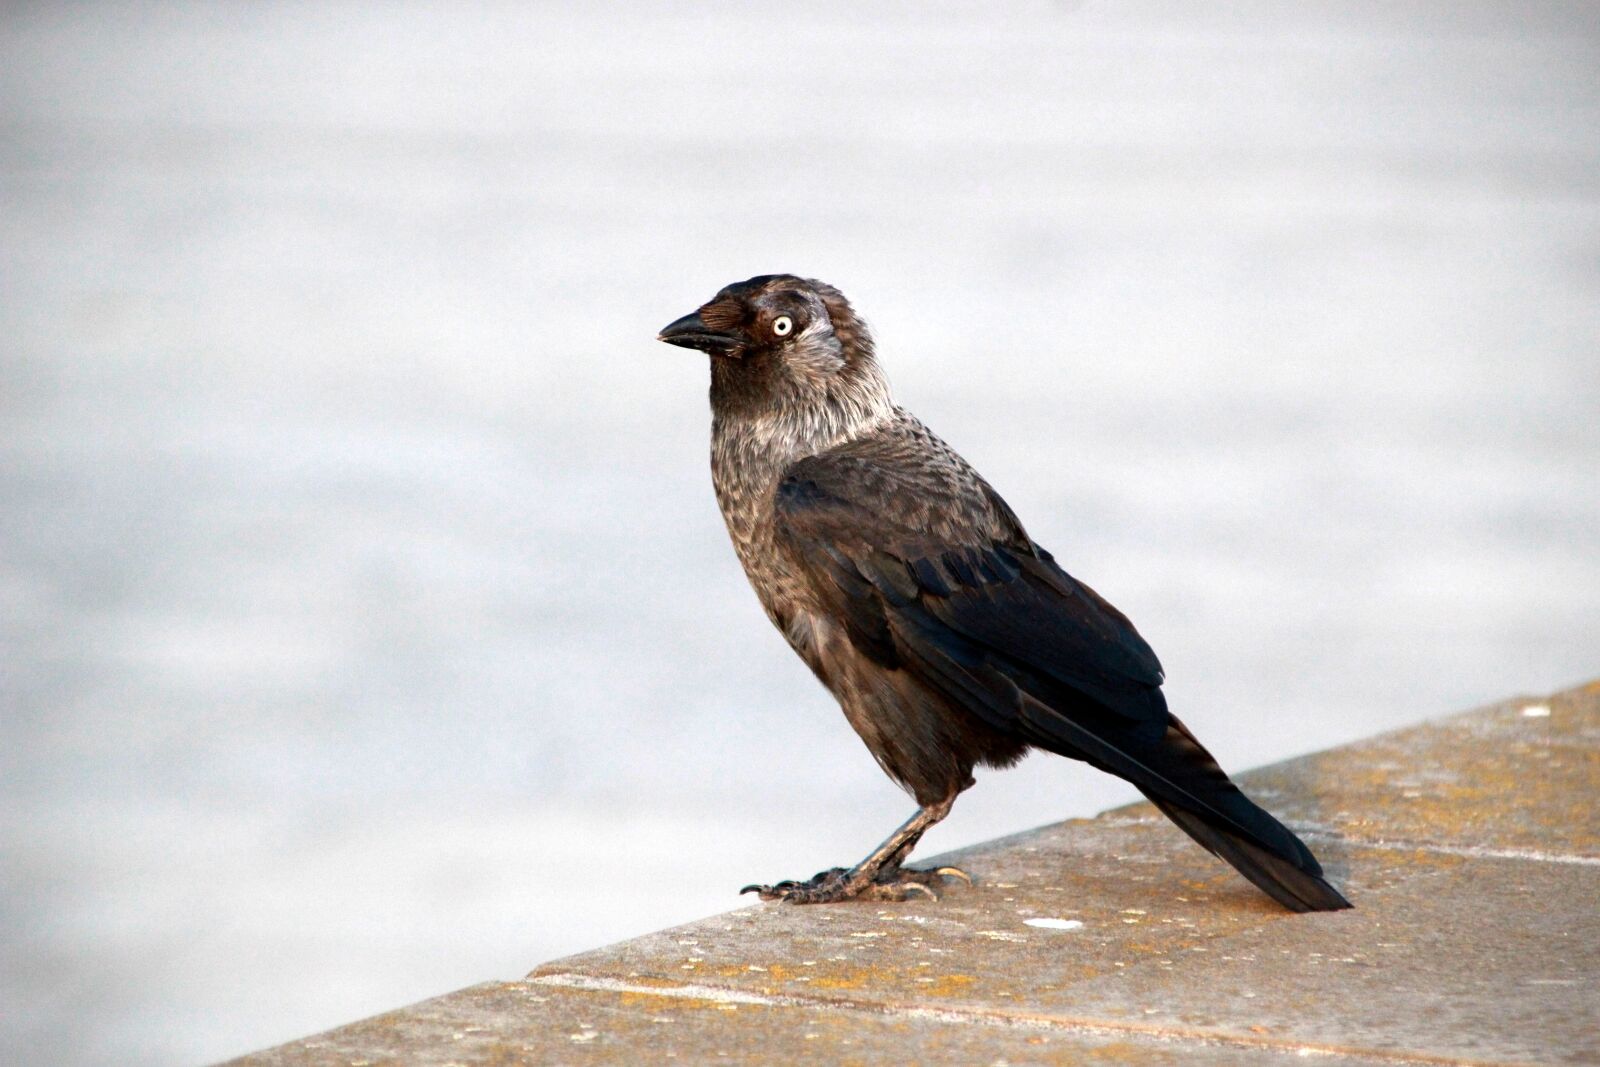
912 591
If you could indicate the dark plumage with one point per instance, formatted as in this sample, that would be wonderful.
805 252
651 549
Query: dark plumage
907 585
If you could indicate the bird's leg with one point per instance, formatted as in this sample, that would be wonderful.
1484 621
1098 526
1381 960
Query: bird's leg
878 877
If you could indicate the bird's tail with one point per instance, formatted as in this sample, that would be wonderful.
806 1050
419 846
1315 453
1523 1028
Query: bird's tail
1296 884
1181 778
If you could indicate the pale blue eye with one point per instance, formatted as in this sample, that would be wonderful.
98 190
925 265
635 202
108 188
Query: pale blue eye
782 325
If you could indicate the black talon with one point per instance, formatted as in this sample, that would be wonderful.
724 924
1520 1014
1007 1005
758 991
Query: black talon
932 876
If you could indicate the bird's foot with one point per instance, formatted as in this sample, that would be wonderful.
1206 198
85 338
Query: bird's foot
933 876
841 883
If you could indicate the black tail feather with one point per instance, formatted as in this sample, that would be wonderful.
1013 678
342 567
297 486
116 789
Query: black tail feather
1298 887
1181 778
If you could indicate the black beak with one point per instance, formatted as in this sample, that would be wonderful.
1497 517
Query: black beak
690 332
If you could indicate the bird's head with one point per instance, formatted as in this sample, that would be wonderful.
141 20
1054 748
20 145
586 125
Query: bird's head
781 339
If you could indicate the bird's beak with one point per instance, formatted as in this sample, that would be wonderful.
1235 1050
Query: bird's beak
691 332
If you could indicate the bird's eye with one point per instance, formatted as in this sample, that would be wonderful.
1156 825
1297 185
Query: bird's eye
782 326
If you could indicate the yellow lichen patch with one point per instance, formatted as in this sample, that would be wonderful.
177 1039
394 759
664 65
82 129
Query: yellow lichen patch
781 973
948 985
856 978
1120 1052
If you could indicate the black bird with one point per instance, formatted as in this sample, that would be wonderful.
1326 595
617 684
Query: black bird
907 585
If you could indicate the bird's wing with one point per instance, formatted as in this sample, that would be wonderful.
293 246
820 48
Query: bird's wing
929 573
935 575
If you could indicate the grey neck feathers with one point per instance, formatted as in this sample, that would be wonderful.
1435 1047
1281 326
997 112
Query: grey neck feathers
778 411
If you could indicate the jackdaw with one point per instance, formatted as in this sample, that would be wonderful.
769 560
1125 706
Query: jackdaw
910 589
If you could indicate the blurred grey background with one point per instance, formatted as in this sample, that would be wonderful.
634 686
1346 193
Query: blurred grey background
367 627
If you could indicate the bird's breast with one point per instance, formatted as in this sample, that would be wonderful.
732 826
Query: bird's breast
746 465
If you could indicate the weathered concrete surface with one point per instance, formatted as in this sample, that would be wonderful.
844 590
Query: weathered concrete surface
519 1022
1470 847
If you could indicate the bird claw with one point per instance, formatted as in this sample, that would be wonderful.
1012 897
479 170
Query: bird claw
838 883
953 872
822 887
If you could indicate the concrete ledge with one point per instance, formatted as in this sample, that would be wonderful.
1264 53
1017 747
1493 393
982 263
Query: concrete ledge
1470 847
